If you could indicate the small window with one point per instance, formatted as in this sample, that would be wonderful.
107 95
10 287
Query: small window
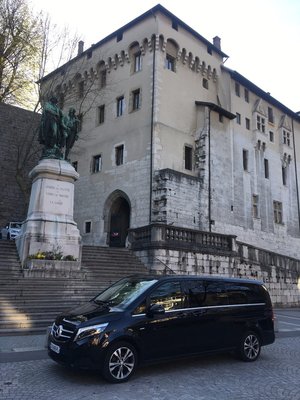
136 100
266 168
237 89
245 159
170 63
277 207
205 83
89 54
119 36
88 227
271 136
221 117
175 25
246 95
284 175
80 89
188 158
255 206
270 115
120 106
80 123
119 155
209 50
97 163
137 62
101 114
103 78
247 120
75 165
238 118
260 124
286 137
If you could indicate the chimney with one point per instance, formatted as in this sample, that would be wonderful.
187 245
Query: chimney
80 47
217 42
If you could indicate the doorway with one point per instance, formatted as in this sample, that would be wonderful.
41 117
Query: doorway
119 222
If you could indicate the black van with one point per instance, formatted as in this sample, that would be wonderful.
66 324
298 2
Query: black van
142 319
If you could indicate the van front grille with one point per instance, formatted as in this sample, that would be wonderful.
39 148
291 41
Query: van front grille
64 331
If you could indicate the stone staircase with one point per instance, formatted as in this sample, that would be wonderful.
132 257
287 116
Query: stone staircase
29 304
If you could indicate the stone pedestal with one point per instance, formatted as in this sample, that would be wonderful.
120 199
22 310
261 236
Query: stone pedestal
50 225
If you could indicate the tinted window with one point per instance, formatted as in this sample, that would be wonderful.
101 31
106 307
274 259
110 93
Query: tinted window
216 294
196 293
169 295
236 293
255 294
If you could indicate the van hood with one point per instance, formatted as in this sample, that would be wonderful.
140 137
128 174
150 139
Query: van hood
91 310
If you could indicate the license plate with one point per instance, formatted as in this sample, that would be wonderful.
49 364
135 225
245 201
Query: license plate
55 348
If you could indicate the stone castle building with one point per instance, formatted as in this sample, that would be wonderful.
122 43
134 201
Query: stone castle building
173 144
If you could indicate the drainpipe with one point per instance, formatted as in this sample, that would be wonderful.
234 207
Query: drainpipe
152 130
296 174
209 174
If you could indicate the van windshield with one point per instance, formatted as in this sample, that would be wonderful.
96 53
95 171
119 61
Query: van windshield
124 291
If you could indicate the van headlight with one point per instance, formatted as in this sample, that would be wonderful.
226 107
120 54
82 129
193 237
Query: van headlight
89 331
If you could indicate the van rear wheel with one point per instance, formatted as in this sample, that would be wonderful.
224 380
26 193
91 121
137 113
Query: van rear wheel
120 362
250 347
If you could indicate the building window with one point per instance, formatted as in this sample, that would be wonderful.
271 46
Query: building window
220 117
101 114
120 106
247 120
277 207
119 36
136 100
209 50
188 158
75 165
266 168
170 63
119 155
286 137
175 25
88 227
255 206
260 124
102 78
97 163
80 89
205 83
137 62
284 175
238 118
270 115
237 89
245 159
271 135
246 95
80 118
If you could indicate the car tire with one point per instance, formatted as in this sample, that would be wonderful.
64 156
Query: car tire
120 362
250 346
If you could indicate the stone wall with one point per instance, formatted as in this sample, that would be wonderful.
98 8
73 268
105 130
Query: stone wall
19 153
280 274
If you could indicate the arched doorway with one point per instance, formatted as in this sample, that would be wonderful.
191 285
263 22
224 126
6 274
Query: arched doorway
119 222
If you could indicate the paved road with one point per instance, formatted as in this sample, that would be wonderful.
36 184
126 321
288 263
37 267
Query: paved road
274 376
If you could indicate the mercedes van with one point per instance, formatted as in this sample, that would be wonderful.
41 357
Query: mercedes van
143 319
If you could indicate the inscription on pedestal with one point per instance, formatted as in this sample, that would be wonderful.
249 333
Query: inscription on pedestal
57 196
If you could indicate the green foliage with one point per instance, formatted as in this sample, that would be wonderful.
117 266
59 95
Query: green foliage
21 43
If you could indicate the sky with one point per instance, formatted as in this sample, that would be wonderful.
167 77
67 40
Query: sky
261 37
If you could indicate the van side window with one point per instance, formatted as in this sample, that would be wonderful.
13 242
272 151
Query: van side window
169 295
216 294
255 294
196 293
236 293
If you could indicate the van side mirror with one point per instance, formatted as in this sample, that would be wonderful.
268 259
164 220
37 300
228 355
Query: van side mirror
155 309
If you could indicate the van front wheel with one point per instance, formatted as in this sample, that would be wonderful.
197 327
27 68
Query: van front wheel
250 347
120 362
